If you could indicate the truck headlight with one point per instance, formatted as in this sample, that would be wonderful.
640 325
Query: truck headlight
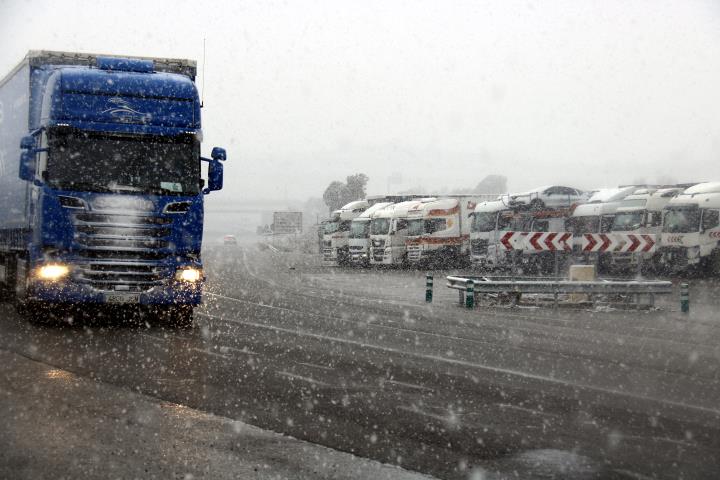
189 274
53 272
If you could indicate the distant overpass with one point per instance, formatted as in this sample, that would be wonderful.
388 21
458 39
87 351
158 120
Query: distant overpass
223 205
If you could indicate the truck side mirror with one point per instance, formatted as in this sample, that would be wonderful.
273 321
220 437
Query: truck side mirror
27 165
215 176
218 154
27 142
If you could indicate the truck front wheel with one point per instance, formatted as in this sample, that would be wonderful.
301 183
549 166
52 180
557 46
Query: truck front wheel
713 263
176 316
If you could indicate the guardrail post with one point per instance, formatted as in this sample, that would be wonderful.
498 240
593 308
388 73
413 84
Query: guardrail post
470 294
428 288
684 298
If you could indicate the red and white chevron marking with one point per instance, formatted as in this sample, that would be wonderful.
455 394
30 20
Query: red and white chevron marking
619 242
537 241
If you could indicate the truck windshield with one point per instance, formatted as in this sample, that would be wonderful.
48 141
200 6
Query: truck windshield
416 227
101 163
483 222
419 226
627 221
360 229
331 227
380 226
587 224
681 220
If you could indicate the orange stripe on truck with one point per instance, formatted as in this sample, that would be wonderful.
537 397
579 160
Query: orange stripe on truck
438 212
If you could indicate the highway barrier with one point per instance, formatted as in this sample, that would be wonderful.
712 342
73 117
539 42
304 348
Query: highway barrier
428 288
684 298
646 289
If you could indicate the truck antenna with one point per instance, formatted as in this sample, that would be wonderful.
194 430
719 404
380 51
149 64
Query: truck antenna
202 94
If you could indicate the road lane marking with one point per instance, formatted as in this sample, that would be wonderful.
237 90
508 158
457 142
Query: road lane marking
463 363
408 385
314 365
569 331
208 352
293 376
495 344
528 410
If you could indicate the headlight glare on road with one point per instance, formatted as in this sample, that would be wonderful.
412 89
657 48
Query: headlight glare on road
53 272
189 274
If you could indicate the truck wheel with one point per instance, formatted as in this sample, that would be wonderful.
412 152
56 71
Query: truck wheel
713 264
175 316
37 313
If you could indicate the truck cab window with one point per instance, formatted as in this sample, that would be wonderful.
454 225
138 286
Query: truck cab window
97 162
711 219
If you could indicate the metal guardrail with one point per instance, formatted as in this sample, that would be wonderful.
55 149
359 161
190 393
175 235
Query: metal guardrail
555 287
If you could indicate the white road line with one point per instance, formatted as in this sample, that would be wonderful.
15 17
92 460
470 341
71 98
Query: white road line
463 363
408 385
208 352
496 344
417 411
292 376
660 439
314 365
635 475
528 410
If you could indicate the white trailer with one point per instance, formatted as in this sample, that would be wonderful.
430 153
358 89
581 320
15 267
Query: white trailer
439 231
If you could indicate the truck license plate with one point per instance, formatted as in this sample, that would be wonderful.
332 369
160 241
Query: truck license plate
122 297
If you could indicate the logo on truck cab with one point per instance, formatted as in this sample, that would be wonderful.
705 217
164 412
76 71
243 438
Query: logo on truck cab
123 110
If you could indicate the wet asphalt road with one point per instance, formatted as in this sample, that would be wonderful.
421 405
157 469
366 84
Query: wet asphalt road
356 361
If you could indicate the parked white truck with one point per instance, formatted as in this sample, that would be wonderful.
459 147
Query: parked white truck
691 230
388 229
439 231
597 216
359 240
490 220
640 213
337 233
544 220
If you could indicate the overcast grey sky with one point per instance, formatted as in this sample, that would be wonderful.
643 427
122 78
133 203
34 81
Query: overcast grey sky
586 93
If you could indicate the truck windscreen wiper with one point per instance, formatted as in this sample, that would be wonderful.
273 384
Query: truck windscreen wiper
82 186
165 191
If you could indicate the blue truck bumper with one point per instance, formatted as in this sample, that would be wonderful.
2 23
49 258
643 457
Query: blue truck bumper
175 294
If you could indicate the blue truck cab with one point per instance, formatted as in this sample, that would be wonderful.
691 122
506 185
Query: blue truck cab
101 188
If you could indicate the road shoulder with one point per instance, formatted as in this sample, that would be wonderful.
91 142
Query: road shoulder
59 425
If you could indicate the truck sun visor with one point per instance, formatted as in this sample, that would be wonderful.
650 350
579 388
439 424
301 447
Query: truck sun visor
125 64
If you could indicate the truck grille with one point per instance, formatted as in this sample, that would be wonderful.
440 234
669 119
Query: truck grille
414 252
123 252
479 247
378 250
